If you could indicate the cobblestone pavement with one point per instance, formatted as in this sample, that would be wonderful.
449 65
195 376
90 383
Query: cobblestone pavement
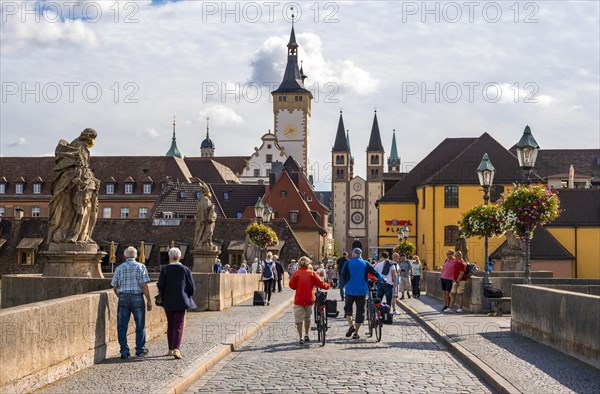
203 332
273 361
530 366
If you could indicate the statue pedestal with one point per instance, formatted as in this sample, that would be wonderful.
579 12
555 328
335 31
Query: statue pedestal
204 259
72 260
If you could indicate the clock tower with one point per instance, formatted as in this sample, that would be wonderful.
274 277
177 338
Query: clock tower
292 109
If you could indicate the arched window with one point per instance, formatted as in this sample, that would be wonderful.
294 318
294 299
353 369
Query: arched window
374 159
339 159
451 235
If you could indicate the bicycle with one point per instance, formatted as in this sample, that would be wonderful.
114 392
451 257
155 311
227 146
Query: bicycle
374 312
320 312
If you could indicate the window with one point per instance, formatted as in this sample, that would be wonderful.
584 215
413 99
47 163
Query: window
283 193
309 199
225 195
257 172
423 199
269 158
357 203
268 146
374 173
143 213
110 188
339 174
181 195
124 213
128 188
19 188
2 211
37 188
294 216
35 212
374 159
451 196
450 235
2 188
238 215
496 192
26 256
198 195
147 188
268 172
106 212
339 159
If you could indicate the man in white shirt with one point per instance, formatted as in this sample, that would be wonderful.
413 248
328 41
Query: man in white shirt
388 269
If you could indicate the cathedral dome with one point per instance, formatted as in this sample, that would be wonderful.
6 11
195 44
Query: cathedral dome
207 143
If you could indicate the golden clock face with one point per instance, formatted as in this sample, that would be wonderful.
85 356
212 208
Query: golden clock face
289 130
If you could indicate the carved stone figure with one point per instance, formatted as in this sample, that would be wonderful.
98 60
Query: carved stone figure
74 204
205 219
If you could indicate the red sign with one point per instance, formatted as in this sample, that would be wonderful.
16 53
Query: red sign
396 222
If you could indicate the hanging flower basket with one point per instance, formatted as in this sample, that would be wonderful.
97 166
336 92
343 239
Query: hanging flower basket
261 235
481 221
407 248
526 207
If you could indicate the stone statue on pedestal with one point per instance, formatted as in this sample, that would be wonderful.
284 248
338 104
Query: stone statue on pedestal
205 252
72 212
513 254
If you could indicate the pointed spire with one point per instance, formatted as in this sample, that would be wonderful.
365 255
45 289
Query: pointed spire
341 141
207 119
375 144
173 151
394 158
302 75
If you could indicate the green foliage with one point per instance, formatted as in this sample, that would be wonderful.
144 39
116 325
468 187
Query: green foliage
527 206
405 247
336 251
261 235
482 220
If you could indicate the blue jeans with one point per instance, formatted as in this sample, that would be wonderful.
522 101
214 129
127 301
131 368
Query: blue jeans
342 285
387 290
131 303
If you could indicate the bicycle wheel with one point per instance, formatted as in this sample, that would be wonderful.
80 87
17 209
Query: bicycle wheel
323 329
378 325
371 319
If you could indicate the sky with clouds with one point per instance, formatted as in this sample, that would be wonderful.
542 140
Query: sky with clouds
431 69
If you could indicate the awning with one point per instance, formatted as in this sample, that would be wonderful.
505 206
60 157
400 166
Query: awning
30 243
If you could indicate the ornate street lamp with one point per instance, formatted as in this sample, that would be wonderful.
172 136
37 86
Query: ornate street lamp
405 232
527 150
486 172
259 209
267 214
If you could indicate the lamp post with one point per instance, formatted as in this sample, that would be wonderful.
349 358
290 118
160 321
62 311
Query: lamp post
259 209
486 172
527 150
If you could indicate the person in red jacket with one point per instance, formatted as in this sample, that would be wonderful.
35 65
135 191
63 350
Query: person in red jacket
304 281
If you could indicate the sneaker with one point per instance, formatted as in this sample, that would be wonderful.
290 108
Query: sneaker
306 338
403 297
143 353
409 296
460 310
124 356
355 336
301 341
350 331
395 312
170 353
177 354
449 310
444 308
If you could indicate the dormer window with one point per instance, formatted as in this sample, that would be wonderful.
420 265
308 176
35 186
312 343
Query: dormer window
147 188
2 188
181 195
19 188
110 188
37 188
128 188
225 195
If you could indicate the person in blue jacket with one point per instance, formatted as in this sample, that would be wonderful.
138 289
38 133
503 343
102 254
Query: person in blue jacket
355 274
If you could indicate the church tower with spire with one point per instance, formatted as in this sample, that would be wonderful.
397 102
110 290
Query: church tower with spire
394 159
292 108
173 151
207 148
341 160
375 185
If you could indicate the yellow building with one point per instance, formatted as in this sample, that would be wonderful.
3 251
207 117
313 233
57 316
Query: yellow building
432 197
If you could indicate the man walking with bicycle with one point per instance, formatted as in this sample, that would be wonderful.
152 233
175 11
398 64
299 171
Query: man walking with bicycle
303 281
355 274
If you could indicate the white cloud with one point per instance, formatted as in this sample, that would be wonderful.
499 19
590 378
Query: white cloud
221 115
20 141
150 133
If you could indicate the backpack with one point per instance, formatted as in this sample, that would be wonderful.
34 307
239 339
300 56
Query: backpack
386 268
268 269
492 292
470 270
